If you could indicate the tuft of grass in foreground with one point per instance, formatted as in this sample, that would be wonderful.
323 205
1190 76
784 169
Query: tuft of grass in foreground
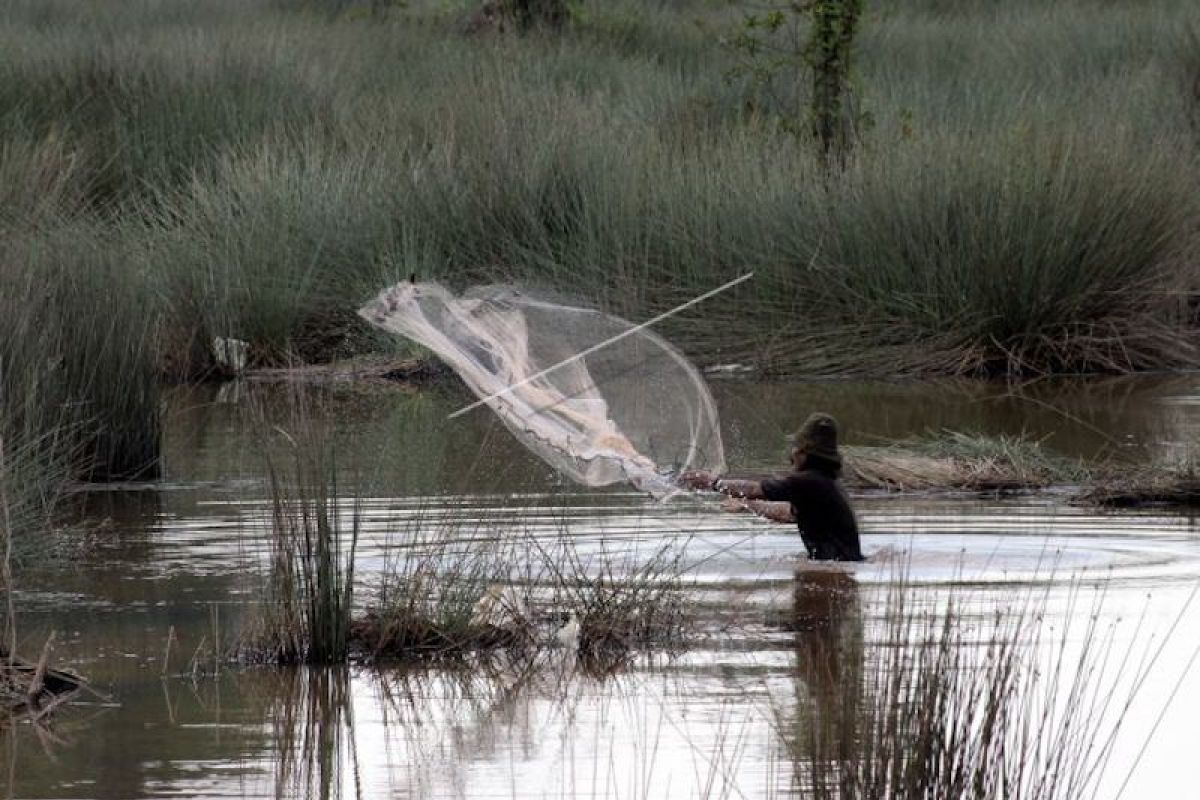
313 536
955 704
451 592
622 604
445 592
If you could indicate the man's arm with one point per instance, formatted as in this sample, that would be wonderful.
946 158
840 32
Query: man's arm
774 510
699 479
747 490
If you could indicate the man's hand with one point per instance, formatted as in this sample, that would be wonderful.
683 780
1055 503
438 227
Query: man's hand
697 479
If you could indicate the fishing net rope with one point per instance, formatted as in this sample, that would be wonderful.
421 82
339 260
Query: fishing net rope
635 410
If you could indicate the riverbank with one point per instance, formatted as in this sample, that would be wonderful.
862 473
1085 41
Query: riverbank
935 462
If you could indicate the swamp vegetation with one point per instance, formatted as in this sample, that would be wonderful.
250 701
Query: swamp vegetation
1018 198
922 189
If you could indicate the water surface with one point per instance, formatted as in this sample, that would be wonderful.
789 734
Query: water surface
182 560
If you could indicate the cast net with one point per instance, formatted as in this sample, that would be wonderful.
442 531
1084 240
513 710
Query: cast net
635 410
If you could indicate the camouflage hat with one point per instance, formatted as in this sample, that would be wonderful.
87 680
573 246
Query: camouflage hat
818 437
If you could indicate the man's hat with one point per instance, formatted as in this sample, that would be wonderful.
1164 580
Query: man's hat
818 437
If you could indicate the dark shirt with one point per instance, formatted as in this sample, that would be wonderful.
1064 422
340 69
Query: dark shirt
823 514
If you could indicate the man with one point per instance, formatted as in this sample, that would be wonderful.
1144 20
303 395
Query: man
819 506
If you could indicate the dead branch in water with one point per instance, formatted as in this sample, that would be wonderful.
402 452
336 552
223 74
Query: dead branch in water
35 689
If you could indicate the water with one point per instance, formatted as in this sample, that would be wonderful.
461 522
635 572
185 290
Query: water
182 560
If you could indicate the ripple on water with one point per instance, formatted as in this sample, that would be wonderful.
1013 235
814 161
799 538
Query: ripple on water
932 541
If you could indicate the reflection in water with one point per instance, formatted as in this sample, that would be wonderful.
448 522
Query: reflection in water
313 728
828 623
419 732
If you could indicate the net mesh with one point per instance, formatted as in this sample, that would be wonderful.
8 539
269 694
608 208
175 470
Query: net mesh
635 410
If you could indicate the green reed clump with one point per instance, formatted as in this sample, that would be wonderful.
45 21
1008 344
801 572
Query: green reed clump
78 350
955 704
1021 203
313 528
276 250
1053 257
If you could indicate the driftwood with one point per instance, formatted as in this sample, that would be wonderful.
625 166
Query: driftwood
35 689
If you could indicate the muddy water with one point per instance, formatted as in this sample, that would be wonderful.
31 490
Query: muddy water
167 569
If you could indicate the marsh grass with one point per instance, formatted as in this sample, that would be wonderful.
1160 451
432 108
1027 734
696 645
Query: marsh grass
955 703
31 477
77 361
623 603
1022 203
448 590
313 534
1130 486
453 591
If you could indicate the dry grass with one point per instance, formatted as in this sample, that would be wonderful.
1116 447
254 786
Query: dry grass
951 460
34 689
1177 485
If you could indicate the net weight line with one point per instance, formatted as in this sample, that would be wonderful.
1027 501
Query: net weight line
699 299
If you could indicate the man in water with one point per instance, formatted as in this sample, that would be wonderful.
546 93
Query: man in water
818 504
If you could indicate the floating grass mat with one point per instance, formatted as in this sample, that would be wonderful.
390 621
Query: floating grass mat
1178 486
381 637
951 460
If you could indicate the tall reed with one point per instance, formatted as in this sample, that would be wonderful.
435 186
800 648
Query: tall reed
955 704
313 531
1021 202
